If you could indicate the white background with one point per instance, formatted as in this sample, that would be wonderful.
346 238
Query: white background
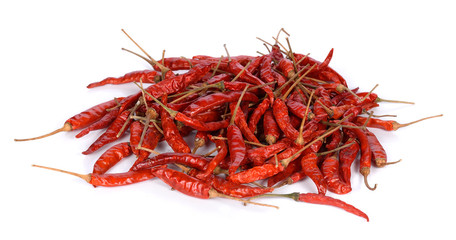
49 52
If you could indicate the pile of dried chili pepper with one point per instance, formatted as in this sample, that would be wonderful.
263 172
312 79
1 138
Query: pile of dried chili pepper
275 119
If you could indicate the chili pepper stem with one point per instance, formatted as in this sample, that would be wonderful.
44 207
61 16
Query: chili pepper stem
365 172
300 139
399 125
66 128
171 112
392 101
85 177
382 162
213 194
237 106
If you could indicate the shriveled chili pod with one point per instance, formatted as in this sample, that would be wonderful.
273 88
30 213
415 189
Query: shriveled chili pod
271 129
188 159
146 76
81 120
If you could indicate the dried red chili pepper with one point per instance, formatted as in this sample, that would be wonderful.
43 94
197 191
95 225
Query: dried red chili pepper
111 134
104 122
109 179
222 152
150 141
171 132
387 125
136 129
330 170
310 168
257 114
366 153
292 168
323 200
111 157
146 76
241 122
270 127
237 190
282 118
255 173
259 155
81 120
216 99
346 157
188 159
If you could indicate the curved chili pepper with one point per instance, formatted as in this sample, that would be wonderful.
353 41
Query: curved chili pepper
104 122
366 153
310 168
111 133
222 152
171 133
211 101
299 109
188 159
201 138
292 168
257 114
177 63
242 124
266 69
336 138
146 76
150 142
237 190
282 118
183 183
378 152
346 157
259 155
199 125
255 173
111 157
330 170
236 147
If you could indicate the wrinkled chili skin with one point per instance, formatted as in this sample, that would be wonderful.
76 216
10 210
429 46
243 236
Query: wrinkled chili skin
136 129
171 132
237 190
236 147
222 152
257 114
183 183
188 159
387 125
120 179
110 157
151 139
255 173
201 126
104 122
91 115
346 157
282 118
309 166
260 154
325 200
146 76
270 127
110 135
211 101
378 152
330 170
241 122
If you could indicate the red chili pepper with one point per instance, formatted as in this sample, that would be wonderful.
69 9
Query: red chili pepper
388 125
310 168
136 129
201 138
292 168
216 99
183 183
241 122
330 170
104 122
266 69
378 152
237 190
299 109
111 134
336 138
257 114
222 152
171 132
150 142
177 63
111 157
323 200
270 127
286 67
188 159
366 153
282 118
146 76
81 120
255 173
346 157
259 155
109 179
